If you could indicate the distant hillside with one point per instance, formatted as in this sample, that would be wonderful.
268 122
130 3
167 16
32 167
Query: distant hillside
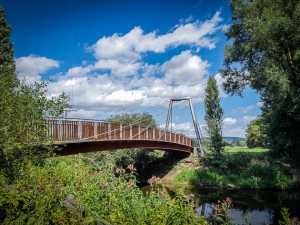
231 139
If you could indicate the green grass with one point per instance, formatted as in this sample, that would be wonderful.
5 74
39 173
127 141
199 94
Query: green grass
239 167
245 149
257 176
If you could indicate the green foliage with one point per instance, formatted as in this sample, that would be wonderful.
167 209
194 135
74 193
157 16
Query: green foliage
222 212
253 151
102 193
213 117
122 158
287 220
241 170
140 119
264 54
23 112
255 134
22 126
239 143
6 48
139 158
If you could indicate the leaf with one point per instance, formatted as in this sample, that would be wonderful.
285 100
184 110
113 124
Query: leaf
15 203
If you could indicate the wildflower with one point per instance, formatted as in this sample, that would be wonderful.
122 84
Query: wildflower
104 184
154 180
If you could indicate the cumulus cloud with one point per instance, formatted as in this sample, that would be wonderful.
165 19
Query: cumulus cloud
32 67
129 46
220 81
81 113
118 68
234 132
260 104
184 69
182 128
247 119
244 109
229 121
120 79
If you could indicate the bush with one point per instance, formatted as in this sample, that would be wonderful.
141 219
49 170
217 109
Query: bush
240 169
79 190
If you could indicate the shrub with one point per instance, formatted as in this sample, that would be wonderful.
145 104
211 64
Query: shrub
238 170
79 190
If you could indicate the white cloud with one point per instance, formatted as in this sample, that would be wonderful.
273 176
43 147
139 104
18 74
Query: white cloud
31 67
119 79
234 132
83 114
181 128
118 68
260 104
247 119
220 81
185 69
248 108
229 121
89 88
129 46
244 109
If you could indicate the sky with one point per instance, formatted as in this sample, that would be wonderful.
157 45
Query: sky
115 56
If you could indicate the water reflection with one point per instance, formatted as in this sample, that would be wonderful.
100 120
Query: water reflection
254 217
260 207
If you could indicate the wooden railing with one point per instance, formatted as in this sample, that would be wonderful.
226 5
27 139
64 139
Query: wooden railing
72 130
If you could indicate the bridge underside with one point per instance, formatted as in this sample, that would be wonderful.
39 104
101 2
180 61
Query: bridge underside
71 148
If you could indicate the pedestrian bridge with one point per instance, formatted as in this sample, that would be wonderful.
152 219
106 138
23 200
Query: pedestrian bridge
82 136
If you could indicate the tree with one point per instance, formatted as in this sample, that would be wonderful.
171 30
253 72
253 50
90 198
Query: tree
264 53
23 114
255 136
6 48
239 142
213 117
139 158
140 119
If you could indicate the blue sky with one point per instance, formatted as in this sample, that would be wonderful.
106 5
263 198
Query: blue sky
114 56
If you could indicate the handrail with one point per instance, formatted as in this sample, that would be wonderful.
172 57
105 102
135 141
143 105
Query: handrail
73 129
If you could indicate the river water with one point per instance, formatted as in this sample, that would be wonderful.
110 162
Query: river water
258 206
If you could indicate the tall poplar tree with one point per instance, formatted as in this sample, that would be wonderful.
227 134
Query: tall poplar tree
213 117
6 48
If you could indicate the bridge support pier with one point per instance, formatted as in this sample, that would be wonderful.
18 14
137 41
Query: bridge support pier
195 152
164 154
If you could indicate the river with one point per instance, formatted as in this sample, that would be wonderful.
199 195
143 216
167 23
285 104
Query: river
258 206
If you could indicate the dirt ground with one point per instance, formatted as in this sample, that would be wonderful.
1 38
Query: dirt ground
190 162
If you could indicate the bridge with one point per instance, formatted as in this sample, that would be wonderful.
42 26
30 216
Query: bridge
75 136
82 136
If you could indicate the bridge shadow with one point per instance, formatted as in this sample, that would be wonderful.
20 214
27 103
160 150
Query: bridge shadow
160 167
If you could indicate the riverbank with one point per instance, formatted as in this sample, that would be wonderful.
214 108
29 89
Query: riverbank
261 172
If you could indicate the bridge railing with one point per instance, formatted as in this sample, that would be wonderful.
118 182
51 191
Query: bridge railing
64 130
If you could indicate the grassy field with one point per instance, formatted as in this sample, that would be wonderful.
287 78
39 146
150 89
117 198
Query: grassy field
245 149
